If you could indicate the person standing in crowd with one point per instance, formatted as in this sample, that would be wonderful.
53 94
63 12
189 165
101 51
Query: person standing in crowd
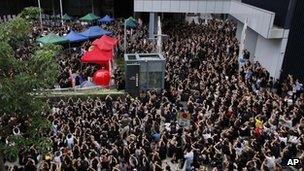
240 119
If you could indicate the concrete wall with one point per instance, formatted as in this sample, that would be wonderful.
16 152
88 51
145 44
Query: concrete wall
265 42
259 20
183 6
269 52
251 38
251 41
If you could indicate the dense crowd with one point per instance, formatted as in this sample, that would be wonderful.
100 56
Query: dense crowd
241 117
69 60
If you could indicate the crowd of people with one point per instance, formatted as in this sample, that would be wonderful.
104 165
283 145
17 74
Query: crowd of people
241 117
69 60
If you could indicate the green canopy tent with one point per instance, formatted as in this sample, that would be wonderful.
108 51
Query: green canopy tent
52 39
132 19
89 17
66 17
131 22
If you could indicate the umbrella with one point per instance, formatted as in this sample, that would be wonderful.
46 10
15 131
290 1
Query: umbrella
89 17
52 38
66 17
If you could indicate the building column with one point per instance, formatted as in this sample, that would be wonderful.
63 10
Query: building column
152 24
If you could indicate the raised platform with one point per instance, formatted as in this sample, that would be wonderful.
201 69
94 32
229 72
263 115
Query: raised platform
57 94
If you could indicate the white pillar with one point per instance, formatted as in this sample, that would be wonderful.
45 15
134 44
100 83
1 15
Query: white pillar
152 24
243 39
159 36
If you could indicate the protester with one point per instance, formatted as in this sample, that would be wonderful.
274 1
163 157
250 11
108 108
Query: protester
240 118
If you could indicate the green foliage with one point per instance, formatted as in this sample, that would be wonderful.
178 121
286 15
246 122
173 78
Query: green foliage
30 13
18 79
4 35
11 153
44 145
7 62
18 28
44 66
121 64
14 31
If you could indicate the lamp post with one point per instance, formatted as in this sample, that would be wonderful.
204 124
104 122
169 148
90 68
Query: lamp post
40 15
93 6
53 8
125 36
61 12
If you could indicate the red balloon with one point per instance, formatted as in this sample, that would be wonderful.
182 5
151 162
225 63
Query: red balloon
102 77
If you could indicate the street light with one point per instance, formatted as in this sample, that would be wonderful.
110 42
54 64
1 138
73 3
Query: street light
61 12
40 15
125 36
93 6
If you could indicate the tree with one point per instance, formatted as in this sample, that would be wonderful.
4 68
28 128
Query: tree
18 80
14 31
30 13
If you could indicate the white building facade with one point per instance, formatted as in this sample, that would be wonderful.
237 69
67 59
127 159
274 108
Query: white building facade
265 42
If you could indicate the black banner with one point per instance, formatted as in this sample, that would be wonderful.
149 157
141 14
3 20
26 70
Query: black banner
132 79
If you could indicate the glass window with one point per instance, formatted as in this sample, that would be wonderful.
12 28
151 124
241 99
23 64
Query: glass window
155 80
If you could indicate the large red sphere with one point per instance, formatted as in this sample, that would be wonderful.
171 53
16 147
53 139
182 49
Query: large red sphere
102 78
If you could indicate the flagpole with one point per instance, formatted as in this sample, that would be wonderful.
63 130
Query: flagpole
40 15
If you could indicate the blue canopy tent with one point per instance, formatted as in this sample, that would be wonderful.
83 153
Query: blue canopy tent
95 31
75 37
87 84
106 19
105 32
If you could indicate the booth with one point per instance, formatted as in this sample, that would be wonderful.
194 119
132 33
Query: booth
144 71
